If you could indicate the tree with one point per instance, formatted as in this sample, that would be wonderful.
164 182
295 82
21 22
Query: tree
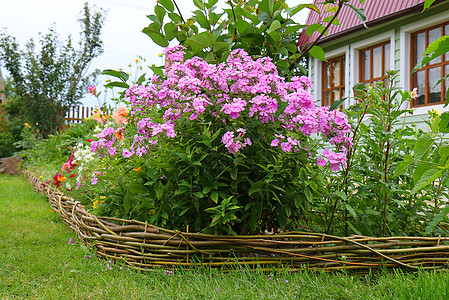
48 81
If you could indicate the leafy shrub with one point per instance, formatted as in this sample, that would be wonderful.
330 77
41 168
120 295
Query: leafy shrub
222 148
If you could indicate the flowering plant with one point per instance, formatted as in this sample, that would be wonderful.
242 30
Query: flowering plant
232 140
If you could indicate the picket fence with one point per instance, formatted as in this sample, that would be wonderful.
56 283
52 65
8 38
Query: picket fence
77 114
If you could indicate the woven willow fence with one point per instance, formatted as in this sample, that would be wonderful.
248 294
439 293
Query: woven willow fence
143 246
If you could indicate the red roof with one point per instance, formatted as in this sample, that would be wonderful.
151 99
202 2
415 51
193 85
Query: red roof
374 9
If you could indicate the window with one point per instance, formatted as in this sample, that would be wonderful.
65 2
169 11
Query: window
374 61
426 77
333 80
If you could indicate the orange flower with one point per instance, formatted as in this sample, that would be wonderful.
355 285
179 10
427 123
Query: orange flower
60 178
120 115
26 125
119 135
137 169
97 115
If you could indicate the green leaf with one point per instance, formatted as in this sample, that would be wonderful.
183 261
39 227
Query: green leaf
334 21
341 195
118 74
274 26
201 19
199 4
175 17
408 159
153 31
351 210
275 36
443 150
314 27
170 30
160 13
242 26
256 187
427 4
420 170
353 228
318 53
141 79
337 104
214 196
288 211
359 12
157 70
427 178
308 193
442 215
295 9
436 49
117 84
168 4
303 175
201 40
423 145
293 28
291 48
198 194
444 122
234 174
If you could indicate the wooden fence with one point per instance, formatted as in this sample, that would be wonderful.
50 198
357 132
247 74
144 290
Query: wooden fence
78 113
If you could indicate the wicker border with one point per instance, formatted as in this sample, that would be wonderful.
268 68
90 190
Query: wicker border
144 246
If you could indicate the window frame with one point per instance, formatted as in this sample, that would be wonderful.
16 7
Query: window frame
341 87
372 79
428 65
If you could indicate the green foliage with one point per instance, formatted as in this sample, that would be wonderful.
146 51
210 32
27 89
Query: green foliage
383 190
260 27
48 81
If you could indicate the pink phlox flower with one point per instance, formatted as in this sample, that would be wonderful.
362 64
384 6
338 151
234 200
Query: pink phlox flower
275 143
112 151
127 153
321 162
286 146
335 159
264 106
233 109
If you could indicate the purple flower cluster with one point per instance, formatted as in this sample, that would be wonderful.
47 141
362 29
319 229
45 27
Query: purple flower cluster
235 144
235 93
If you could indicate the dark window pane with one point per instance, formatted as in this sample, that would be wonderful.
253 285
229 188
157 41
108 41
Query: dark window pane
365 65
387 57
435 34
326 72
446 32
446 81
377 62
336 72
420 84
420 46
342 79
435 91
325 100
335 95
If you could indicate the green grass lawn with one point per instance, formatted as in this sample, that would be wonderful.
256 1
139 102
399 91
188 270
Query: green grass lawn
37 262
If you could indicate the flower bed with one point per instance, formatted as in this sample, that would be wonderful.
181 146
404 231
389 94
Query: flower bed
143 246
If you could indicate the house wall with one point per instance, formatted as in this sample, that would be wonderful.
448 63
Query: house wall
398 32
